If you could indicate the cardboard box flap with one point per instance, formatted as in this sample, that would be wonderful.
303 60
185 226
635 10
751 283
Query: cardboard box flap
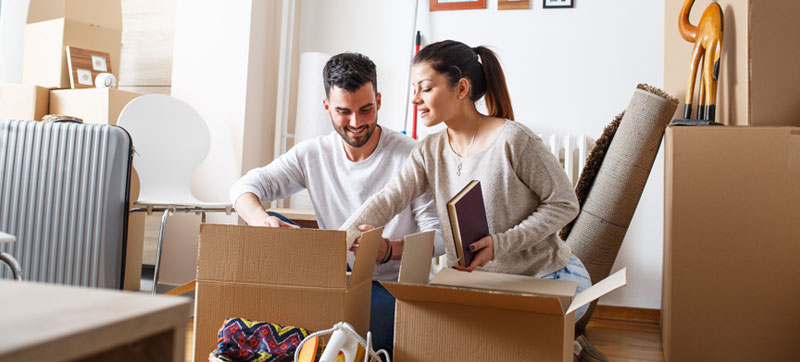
103 13
474 297
598 290
272 256
415 266
358 305
512 283
367 253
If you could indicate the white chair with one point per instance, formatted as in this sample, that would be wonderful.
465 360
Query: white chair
16 271
170 141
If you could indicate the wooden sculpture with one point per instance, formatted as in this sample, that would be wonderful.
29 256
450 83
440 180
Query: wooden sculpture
707 39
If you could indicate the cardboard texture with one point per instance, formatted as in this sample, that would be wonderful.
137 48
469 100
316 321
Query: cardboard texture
507 283
415 265
431 331
93 105
731 244
525 319
24 102
54 24
773 90
287 276
755 84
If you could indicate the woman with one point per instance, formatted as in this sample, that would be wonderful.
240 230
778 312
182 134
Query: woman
527 195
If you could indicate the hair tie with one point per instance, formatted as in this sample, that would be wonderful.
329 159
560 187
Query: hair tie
477 56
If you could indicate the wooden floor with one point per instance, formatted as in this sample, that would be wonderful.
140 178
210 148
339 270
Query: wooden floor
626 334
622 334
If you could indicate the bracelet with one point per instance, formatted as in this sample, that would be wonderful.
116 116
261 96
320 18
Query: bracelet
388 253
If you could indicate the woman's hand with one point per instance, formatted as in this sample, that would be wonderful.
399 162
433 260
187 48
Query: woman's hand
383 248
484 249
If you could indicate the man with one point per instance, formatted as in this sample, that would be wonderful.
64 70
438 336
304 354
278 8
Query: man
340 171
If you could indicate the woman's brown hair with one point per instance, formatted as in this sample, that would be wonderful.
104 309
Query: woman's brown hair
479 65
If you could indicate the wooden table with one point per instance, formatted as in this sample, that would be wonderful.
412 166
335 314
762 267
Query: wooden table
44 322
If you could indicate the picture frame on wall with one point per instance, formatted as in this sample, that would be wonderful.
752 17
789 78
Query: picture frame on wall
437 5
513 4
548 4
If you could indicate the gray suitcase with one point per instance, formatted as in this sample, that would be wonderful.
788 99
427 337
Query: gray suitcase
64 194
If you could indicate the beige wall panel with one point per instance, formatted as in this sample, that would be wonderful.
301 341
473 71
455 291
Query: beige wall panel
148 28
262 85
147 90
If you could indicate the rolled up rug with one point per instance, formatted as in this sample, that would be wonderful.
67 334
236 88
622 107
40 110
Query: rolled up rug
597 233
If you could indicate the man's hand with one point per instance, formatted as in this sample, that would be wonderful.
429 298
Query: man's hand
485 253
274 222
250 210
383 248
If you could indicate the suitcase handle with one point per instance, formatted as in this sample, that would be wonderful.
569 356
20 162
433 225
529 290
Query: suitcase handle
67 120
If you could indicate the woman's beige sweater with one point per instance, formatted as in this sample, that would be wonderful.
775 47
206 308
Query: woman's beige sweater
527 195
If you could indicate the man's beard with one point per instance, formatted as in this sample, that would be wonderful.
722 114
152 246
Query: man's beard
355 142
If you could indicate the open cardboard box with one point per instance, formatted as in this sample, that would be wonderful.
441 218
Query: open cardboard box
481 316
287 276
54 24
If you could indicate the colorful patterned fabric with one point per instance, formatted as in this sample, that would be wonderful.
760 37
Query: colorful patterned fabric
244 340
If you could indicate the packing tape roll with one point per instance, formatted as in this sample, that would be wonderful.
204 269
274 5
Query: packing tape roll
105 80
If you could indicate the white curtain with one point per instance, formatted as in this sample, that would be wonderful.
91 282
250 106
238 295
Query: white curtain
12 31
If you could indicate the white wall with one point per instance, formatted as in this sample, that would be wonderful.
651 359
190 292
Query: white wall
222 66
568 71
13 15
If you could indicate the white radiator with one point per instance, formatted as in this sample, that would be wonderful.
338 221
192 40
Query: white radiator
571 151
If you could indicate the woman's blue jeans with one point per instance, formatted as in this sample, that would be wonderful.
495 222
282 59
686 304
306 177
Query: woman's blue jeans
576 272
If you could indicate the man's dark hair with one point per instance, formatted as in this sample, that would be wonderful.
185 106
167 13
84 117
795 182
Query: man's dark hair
349 71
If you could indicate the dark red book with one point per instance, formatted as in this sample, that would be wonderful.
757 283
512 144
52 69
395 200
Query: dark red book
467 220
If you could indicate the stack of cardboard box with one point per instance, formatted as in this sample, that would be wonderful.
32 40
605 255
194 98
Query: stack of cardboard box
53 25
731 200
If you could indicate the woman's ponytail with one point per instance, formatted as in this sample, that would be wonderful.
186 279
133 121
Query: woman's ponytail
498 102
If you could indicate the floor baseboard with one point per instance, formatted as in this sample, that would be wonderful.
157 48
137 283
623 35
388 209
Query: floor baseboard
628 314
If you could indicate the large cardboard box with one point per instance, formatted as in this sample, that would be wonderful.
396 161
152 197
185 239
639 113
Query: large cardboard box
55 24
22 101
93 105
756 86
286 276
731 244
480 316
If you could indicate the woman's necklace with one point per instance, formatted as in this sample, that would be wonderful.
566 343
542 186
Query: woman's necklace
469 147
